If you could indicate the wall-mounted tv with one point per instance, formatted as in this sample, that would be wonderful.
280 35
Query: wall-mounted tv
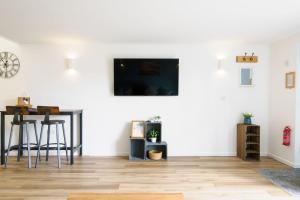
146 77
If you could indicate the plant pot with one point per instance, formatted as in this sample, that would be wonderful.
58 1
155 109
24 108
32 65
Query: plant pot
247 120
155 154
153 140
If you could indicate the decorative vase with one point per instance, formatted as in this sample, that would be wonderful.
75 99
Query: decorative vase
153 140
247 120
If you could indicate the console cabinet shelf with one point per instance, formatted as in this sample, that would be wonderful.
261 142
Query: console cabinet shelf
248 142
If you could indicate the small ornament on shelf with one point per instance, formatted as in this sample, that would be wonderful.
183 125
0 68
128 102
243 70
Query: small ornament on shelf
155 119
24 102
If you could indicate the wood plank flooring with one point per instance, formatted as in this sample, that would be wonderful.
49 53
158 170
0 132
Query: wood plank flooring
199 178
125 196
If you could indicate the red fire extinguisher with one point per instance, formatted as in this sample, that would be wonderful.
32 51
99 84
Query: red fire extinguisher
287 136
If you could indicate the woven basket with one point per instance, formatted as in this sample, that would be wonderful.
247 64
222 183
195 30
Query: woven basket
155 155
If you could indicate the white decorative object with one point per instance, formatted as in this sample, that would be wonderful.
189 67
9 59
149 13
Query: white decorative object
155 119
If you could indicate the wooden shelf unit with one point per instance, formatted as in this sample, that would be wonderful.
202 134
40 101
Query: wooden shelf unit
248 141
139 147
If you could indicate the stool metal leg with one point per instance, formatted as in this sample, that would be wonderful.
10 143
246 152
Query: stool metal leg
48 139
36 135
64 133
9 143
28 146
58 146
38 156
20 142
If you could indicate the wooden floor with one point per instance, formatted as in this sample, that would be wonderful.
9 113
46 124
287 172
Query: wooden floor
199 178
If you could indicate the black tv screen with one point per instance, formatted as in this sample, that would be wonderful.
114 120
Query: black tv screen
146 77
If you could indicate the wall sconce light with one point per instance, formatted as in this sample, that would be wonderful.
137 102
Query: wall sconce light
71 63
287 63
220 67
220 62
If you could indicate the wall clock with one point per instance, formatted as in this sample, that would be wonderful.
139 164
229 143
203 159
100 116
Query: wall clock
9 64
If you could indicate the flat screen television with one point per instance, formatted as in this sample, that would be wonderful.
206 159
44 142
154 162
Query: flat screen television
146 77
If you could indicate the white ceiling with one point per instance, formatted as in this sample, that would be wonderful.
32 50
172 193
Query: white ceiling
148 21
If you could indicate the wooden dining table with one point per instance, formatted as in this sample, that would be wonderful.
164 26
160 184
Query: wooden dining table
32 111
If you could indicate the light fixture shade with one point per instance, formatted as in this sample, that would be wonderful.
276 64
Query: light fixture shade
71 63
220 64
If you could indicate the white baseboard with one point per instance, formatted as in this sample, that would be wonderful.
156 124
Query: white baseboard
179 155
264 154
283 160
204 154
297 165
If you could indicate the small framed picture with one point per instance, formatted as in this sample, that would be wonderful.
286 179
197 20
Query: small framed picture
290 79
138 129
246 76
24 101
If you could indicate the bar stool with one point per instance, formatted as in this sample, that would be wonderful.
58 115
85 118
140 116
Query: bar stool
19 111
47 111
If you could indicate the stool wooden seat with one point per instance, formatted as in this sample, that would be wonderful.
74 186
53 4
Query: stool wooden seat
24 122
51 122
16 111
47 111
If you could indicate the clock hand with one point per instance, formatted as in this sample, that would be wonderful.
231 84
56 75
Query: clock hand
6 68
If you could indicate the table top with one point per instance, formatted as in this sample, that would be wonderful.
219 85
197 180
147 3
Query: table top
33 111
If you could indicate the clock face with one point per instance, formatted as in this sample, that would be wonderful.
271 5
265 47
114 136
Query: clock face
9 64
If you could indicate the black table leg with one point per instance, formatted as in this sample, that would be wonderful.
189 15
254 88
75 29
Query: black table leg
72 138
21 137
80 132
2 138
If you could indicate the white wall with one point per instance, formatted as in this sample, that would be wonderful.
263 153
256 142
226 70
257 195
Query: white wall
10 88
283 104
297 119
200 121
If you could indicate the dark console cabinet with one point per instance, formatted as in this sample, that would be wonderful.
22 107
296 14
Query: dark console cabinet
139 147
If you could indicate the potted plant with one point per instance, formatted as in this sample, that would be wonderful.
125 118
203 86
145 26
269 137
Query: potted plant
152 135
247 118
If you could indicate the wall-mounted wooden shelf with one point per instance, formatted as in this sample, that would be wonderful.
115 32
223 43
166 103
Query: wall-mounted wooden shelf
246 59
